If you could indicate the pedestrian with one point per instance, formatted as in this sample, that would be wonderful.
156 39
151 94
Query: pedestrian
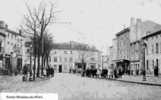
110 73
30 76
47 72
25 70
115 73
52 72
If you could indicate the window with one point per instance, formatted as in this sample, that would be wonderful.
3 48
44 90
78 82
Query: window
152 48
65 52
28 51
70 59
153 63
138 66
54 52
49 59
0 46
147 64
70 52
160 47
60 59
157 64
65 59
55 66
93 59
157 48
55 59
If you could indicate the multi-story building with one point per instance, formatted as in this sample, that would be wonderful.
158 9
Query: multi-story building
113 53
123 49
12 43
139 29
67 56
2 43
153 52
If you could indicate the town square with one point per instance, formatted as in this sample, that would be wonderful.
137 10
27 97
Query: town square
81 50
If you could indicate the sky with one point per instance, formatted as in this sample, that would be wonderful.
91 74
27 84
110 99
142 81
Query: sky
90 21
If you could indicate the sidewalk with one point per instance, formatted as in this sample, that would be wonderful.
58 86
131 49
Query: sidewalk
150 80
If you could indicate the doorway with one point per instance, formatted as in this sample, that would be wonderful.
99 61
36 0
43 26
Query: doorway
156 68
60 68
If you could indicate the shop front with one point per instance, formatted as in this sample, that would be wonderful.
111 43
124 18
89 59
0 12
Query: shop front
123 66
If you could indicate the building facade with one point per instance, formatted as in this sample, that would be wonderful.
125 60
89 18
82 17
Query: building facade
2 44
139 29
65 59
123 49
11 45
153 53
113 53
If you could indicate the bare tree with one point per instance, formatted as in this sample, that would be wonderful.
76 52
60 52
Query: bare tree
37 21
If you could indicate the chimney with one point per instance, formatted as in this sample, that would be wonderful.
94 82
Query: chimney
132 21
139 28
132 29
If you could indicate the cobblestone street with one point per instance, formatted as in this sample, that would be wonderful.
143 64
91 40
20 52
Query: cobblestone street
69 86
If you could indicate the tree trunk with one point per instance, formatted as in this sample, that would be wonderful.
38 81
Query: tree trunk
34 68
34 53
38 63
42 65
46 60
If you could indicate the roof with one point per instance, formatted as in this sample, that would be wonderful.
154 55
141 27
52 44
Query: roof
2 34
13 32
137 41
75 46
152 34
123 31
150 27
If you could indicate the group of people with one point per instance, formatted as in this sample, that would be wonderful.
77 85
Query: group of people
27 72
110 73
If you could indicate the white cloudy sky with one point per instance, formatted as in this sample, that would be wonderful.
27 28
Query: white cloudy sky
92 21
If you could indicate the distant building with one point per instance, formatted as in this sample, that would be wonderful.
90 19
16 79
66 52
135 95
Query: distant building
113 53
67 56
105 61
153 52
